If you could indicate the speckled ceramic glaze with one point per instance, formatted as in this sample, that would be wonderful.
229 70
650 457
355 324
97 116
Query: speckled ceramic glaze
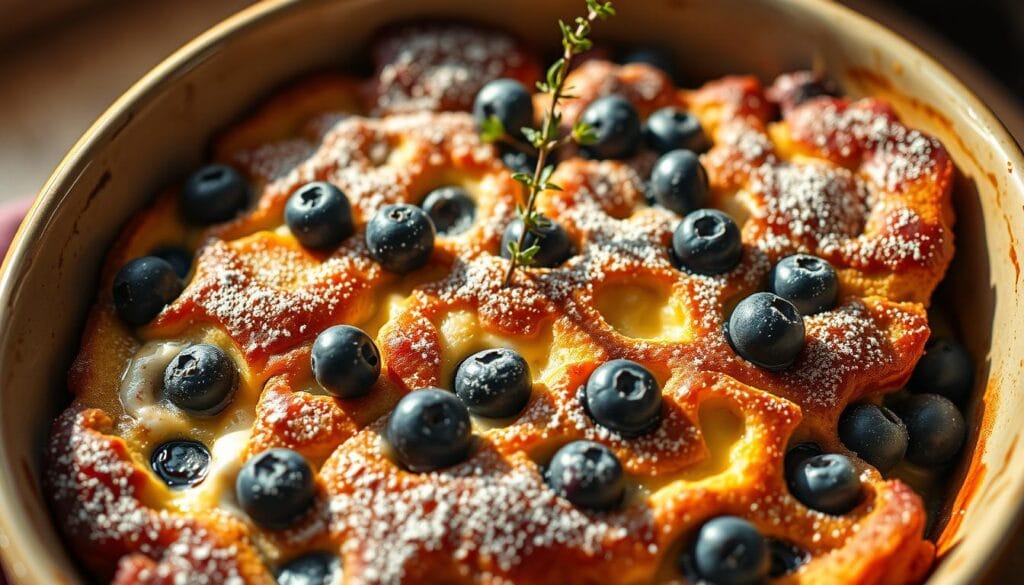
161 127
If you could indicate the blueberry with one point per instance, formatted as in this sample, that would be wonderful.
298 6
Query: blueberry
729 550
213 194
679 182
936 428
809 282
319 215
400 237
507 100
798 454
652 56
767 330
623 396
875 434
554 242
345 361
451 209
785 557
201 379
276 488
707 241
181 463
317 568
517 160
429 429
670 129
587 474
827 483
179 258
143 287
945 369
494 383
616 126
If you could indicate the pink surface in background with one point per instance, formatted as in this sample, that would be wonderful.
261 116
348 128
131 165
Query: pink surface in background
11 214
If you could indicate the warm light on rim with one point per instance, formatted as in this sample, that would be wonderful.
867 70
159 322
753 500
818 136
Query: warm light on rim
18 541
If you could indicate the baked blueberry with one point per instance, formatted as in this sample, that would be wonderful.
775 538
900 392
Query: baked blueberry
707 241
317 568
767 330
180 463
345 361
799 453
213 194
451 209
827 483
616 125
670 129
551 237
494 383
809 282
517 160
400 237
587 474
179 258
936 429
623 396
143 287
319 215
652 56
429 429
679 182
729 550
945 369
785 557
276 488
507 100
201 379
875 434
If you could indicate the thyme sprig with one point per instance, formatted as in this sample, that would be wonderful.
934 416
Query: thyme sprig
547 139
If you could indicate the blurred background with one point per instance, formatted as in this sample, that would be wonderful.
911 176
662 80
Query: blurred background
64 61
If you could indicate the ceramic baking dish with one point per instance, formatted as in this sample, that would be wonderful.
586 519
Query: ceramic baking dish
162 126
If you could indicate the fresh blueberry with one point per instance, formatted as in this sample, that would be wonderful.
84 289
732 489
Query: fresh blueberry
345 361
707 241
945 369
179 258
213 194
679 182
318 568
729 550
201 379
652 56
551 237
494 383
276 488
767 330
785 557
400 237
587 474
451 209
517 160
798 454
936 428
875 434
616 125
827 483
670 129
319 215
507 100
181 463
143 287
623 396
429 429
809 282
